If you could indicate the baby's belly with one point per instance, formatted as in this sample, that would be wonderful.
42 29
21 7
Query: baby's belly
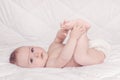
72 63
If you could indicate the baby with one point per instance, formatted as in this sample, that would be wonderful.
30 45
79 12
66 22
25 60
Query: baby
76 52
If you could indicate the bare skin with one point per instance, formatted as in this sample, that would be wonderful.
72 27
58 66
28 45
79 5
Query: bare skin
75 52
62 54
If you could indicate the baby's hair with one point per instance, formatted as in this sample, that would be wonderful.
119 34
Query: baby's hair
12 58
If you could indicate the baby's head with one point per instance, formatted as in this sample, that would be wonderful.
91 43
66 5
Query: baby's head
29 57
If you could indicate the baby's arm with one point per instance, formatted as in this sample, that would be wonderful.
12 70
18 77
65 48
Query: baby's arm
68 50
61 34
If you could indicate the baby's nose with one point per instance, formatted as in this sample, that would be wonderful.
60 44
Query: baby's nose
37 54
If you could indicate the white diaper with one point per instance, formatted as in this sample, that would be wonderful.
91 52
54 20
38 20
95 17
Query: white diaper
100 45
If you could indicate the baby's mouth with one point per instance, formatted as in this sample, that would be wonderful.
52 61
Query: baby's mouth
42 55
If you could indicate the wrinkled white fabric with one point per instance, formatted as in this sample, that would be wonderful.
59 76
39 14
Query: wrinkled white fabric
35 22
100 45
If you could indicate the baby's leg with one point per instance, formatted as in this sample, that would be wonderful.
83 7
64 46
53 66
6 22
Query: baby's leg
87 56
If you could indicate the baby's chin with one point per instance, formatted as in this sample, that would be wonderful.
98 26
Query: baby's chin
37 66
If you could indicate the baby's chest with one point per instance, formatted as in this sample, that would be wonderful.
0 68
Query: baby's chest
56 52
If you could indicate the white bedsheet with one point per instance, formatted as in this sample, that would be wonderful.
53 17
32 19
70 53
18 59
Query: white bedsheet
35 22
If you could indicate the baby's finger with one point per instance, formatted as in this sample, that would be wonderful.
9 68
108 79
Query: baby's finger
62 24
65 22
69 23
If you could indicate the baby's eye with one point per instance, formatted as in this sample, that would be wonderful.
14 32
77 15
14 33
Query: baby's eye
32 49
31 60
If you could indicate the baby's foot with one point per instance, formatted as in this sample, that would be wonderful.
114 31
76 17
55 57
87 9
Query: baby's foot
82 28
70 24
77 31
87 27
84 23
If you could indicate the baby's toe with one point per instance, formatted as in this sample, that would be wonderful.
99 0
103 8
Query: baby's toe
87 26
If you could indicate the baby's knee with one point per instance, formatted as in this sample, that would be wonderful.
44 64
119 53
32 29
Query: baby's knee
88 60
82 60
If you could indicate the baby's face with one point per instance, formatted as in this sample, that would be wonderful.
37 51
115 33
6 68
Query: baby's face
29 56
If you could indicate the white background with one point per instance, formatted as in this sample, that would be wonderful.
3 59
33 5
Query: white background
35 22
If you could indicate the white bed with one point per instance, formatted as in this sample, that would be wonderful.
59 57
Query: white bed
26 22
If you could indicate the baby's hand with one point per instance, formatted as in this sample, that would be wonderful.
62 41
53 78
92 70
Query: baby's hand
67 25
77 31
62 33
